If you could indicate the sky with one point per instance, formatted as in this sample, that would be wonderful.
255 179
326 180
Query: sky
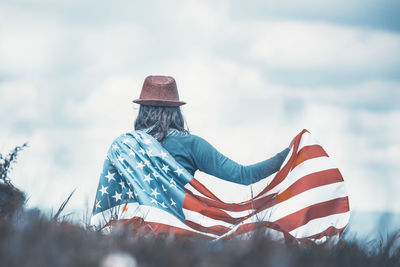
253 76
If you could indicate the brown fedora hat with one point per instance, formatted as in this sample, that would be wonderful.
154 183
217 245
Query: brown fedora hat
159 91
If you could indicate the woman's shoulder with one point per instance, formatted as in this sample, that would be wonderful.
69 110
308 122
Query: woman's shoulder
188 140
183 135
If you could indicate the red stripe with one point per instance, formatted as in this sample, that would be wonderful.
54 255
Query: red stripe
282 174
309 152
140 226
215 229
191 203
323 209
202 189
330 231
311 181
246 205
257 226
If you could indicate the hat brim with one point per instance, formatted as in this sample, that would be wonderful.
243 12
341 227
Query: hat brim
158 102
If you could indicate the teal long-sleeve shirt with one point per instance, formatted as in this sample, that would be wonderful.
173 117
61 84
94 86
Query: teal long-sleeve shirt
194 153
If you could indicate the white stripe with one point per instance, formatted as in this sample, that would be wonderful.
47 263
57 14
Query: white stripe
229 192
306 199
194 191
319 225
298 202
226 191
203 220
102 218
239 214
272 234
287 158
258 187
307 140
307 167
233 214
332 240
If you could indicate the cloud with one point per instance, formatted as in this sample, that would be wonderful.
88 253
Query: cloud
27 44
67 78
298 45
26 96
360 13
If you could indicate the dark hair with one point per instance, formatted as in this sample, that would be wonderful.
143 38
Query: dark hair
162 118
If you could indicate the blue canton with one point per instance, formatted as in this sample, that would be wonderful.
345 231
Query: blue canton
138 169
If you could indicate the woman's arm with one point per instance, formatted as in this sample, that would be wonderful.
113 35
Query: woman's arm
210 161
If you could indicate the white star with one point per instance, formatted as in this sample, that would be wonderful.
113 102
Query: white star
163 188
129 193
173 203
165 168
129 170
142 151
163 205
179 171
146 162
120 159
110 176
122 184
103 190
149 153
154 192
131 153
163 155
147 141
147 178
154 201
155 174
98 206
140 165
172 183
117 196
115 146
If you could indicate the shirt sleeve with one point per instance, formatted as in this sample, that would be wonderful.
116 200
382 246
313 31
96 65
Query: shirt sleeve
211 161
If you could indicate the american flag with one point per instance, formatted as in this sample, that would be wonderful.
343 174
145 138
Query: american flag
143 187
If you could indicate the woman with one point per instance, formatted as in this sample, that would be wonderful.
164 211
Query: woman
160 116
148 181
148 175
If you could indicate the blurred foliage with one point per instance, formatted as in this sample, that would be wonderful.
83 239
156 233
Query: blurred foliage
11 198
6 163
